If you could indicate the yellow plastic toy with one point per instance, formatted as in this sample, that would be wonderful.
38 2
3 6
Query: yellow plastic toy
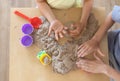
44 58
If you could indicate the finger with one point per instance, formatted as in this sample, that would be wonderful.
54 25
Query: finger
80 62
64 32
87 69
49 31
56 35
78 65
97 58
61 35
60 29
81 66
81 46
83 63
86 52
82 51
66 28
73 25
100 52
72 31
74 34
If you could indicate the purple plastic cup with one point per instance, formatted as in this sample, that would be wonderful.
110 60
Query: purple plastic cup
27 28
26 40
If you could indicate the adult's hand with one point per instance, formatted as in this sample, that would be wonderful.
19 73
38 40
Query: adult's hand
89 47
93 66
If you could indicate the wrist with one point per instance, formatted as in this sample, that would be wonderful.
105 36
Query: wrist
94 39
53 21
83 22
110 72
106 69
82 25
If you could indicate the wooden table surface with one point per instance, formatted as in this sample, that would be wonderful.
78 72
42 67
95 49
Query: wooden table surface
23 64
5 6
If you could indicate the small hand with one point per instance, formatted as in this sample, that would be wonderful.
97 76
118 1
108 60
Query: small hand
93 66
58 28
78 28
88 48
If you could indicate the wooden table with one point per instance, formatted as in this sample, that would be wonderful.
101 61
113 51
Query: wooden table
24 66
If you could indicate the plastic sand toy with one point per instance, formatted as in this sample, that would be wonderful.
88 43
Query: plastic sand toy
27 28
27 40
35 21
44 58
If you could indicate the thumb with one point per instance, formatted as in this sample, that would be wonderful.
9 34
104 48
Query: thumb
49 31
97 58
66 28
73 25
100 52
72 31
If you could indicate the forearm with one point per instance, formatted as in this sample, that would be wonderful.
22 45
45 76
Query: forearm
86 11
46 11
103 28
112 73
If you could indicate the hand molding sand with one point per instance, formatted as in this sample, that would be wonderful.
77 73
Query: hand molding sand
63 56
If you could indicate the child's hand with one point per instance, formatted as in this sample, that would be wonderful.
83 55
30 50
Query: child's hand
78 28
93 66
58 28
88 48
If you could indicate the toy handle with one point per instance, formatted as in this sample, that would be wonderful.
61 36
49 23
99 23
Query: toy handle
22 15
